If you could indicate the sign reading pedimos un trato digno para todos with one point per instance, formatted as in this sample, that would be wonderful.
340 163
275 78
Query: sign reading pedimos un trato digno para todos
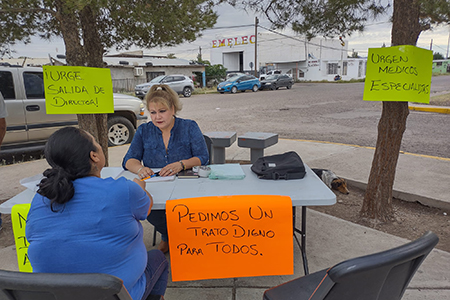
78 90
400 73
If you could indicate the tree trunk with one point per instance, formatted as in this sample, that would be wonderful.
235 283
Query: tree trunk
378 197
69 30
96 124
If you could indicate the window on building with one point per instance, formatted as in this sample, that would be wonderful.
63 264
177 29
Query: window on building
332 68
439 63
301 74
151 75
344 68
360 69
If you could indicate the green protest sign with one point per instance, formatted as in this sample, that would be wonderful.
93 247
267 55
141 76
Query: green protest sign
401 73
78 90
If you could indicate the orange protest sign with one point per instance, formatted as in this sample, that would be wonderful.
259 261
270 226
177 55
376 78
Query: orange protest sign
230 236
19 213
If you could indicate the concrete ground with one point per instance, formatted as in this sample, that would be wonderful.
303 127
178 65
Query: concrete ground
329 240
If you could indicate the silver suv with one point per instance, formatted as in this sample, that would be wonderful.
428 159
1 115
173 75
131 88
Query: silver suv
179 83
28 124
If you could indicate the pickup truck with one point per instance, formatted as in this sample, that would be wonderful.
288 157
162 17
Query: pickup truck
28 124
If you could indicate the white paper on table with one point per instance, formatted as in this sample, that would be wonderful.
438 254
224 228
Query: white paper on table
32 182
160 178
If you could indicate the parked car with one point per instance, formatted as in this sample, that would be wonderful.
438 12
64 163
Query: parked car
29 125
273 82
239 83
179 83
271 72
229 75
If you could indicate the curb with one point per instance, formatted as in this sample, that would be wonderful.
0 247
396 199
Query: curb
404 196
435 109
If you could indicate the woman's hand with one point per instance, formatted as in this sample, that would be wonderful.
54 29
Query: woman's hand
171 169
145 172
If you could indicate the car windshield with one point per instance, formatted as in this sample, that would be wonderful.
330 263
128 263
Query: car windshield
270 77
234 78
157 79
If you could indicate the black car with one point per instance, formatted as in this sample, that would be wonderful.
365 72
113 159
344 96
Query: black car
275 81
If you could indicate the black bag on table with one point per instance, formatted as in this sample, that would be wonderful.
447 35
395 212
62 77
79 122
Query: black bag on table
288 165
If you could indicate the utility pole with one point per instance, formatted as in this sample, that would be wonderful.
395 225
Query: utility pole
256 47
448 43
199 58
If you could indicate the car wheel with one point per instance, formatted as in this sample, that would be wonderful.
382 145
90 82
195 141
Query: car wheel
289 86
255 88
120 131
233 90
273 87
187 92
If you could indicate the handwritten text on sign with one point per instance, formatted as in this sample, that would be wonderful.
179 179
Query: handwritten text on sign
230 236
19 213
78 90
401 73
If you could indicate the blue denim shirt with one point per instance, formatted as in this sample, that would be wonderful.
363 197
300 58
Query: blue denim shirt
186 141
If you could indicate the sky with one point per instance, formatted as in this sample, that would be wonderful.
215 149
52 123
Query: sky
376 33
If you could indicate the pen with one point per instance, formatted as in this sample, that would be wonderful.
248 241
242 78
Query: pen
148 177
151 176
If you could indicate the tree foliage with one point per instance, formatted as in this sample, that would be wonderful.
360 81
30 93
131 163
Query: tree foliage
328 18
120 23
92 27
437 55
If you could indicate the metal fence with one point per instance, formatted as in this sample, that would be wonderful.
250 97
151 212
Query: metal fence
126 85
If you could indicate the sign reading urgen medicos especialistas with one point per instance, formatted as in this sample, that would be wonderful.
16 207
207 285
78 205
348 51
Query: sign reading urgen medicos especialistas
78 90
401 73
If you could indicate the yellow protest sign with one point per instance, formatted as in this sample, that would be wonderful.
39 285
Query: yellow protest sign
230 236
401 73
19 213
78 90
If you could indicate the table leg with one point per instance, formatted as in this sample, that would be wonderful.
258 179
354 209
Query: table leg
302 232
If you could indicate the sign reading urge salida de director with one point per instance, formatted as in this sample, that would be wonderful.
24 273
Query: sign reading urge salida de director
78 90
401 73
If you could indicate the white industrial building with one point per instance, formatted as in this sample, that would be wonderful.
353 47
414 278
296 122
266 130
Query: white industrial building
317 59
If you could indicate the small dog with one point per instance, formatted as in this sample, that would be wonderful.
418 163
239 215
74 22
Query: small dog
332 181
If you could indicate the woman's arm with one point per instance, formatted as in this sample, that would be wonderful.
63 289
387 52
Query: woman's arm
142 184
176 167
133 165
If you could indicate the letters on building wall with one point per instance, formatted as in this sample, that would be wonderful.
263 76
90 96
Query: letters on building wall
235 41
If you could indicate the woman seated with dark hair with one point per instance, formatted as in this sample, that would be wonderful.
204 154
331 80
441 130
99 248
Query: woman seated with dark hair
81 223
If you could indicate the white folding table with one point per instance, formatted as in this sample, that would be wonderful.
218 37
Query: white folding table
308 191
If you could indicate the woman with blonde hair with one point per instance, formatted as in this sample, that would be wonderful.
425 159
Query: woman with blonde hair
167 142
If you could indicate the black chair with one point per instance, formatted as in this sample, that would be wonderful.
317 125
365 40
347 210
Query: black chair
379 276
209 143
46 286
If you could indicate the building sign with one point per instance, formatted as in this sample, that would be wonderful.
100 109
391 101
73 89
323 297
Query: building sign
313 63
235 41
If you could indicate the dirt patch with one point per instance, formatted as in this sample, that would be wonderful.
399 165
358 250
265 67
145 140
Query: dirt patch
413 219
